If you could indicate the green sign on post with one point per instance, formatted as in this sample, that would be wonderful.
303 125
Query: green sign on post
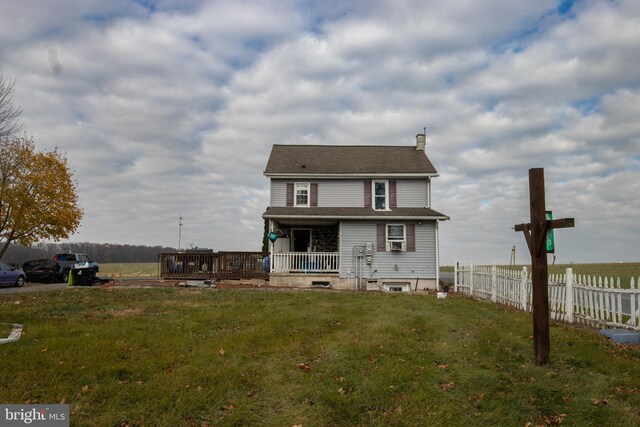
549 241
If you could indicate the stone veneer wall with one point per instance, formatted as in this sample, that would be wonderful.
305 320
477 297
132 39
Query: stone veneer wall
325 238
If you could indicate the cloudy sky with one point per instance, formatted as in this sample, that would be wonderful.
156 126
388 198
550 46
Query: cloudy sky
170 107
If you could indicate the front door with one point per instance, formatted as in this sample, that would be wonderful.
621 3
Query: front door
301 240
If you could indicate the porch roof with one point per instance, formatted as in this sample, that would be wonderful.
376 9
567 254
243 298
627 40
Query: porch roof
415 214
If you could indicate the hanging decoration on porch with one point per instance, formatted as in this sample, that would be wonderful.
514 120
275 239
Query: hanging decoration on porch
272 236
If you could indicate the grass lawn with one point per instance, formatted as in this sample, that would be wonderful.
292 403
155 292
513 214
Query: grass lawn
199 357
5 329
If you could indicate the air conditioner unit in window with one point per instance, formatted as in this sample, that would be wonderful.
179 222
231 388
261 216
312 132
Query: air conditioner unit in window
397 246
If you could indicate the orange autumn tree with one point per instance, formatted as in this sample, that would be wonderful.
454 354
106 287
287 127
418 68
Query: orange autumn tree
38 195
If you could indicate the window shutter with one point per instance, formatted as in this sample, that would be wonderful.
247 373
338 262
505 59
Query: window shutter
367 193
314 195
290 194
381 237
411 237
393 200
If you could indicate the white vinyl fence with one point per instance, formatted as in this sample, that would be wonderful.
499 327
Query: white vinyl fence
573 298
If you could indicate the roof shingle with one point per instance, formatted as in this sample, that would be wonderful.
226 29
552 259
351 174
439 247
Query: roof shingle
347 159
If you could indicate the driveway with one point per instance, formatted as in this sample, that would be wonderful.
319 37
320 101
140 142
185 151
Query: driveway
32 287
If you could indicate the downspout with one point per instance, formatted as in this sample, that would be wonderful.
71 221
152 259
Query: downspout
437 256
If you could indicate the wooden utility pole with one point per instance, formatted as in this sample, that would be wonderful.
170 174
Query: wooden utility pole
535 234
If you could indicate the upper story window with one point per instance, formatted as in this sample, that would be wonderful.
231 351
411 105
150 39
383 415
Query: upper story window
380 195
301 194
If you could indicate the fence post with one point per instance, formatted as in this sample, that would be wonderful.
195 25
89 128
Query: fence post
455 278
524 297
471 278
494 287
568 308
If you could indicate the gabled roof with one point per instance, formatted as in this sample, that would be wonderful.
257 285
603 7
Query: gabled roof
347 160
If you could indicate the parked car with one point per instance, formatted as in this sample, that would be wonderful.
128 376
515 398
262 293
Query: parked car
10 275
69 261
43 270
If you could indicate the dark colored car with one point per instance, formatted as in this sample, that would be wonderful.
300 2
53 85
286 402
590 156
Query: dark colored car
10 275
70 261
43 270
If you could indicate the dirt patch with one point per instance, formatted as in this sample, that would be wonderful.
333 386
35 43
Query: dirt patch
126 312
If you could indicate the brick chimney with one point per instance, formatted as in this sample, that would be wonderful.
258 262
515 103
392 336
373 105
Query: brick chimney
421 141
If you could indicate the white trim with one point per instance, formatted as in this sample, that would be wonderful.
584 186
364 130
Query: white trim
389 241
437 256
386 194
387 218
301 186
349 175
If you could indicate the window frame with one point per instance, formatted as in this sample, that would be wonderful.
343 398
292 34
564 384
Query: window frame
301 186
374 195
389 239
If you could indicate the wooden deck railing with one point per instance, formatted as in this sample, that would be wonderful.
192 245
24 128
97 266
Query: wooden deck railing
213 265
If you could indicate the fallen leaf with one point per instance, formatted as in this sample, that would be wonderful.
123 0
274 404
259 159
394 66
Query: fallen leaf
305 367
443 366
221 351
554 420
532 380
566 399
85 389
447 386
229 407
63 401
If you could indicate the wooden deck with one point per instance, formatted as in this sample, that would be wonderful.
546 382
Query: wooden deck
213 265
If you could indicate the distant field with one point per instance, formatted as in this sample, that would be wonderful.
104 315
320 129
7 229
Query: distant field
625 270
141 269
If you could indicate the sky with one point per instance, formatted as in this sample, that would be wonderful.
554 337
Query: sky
170 108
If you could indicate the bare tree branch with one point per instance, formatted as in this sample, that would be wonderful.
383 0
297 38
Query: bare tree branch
9 114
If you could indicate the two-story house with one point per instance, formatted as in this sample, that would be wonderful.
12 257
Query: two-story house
354 217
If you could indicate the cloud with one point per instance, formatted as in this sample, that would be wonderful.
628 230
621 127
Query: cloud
171 108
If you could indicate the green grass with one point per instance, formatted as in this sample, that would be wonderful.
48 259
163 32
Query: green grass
140 269
185 357
624 270
5 329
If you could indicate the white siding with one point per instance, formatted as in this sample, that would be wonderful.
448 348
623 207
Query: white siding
350 193
412 193
278 193
410 265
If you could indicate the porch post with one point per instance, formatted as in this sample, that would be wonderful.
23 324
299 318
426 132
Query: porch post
270 248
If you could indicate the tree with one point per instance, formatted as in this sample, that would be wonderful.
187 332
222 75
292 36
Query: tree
38 195
9 123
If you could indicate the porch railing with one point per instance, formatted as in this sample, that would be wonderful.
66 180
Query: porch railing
305 262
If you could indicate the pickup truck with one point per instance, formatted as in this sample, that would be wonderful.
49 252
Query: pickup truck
69 261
